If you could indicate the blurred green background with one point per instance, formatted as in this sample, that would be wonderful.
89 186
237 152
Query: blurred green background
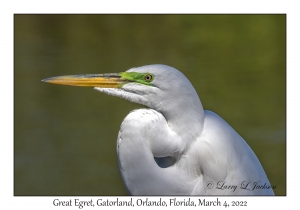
65 137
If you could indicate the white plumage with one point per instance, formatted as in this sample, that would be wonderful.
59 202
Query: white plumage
177 148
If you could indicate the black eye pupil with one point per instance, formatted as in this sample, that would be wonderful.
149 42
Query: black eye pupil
148 77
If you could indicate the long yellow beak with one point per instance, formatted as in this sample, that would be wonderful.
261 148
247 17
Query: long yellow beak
90 80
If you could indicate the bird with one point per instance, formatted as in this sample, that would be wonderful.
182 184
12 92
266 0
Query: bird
174 146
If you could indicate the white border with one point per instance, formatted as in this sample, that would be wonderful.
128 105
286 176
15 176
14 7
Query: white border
8 8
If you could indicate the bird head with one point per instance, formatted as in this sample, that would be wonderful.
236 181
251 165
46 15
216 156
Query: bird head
159 87
151 85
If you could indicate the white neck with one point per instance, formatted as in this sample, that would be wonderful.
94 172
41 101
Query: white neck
185 115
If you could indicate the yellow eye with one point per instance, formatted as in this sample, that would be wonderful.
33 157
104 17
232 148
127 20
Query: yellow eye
148 77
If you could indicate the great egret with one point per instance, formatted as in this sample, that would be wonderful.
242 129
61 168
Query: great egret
175 147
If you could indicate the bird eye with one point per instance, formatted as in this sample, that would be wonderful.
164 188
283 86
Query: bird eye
148 77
